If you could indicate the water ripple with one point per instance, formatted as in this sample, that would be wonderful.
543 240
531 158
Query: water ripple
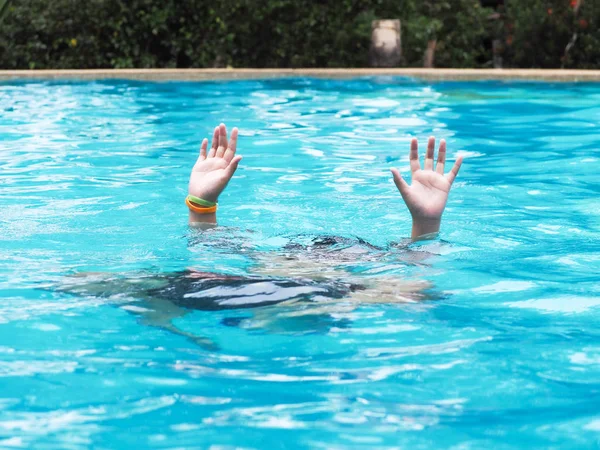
485 339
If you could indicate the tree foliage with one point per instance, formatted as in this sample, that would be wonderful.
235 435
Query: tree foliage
287 33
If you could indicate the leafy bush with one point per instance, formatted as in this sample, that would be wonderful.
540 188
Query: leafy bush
539 31
239 33
542 30
289 33
585 53
459 26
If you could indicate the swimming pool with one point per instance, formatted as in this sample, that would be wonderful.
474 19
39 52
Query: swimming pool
504 354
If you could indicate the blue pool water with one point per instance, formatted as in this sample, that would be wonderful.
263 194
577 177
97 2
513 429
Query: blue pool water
499 348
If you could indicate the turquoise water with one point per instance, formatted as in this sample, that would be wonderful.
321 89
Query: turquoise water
498 347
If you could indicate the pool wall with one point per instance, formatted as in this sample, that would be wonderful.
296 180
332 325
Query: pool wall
229 74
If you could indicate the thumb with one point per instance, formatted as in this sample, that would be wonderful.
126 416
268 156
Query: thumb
233 165
402 185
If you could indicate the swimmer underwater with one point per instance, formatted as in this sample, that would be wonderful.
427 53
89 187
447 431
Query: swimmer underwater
304 280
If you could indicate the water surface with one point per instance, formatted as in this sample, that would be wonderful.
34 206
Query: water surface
505 352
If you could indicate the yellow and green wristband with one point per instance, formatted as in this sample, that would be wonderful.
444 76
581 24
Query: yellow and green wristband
199 205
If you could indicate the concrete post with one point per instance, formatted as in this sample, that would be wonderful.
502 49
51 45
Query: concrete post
386 44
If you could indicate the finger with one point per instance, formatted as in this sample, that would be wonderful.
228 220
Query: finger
233 165
430 153
230 152
452 174
414 156
441 161
203 148
222 141
214 144
402 185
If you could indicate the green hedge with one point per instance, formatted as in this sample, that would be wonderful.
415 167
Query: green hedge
59 34
538 32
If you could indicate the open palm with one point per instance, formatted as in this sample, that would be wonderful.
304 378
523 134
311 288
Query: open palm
214 168
427 194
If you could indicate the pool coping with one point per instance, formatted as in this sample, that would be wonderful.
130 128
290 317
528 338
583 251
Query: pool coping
252 74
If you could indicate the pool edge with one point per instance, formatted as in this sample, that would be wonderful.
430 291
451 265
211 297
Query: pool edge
249 74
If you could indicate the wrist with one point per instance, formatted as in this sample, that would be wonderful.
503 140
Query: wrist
425 228
201 210
196 218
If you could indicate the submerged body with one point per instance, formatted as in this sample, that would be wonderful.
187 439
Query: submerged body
310 279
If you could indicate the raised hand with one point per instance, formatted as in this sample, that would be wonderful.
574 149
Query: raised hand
214 169
427 194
